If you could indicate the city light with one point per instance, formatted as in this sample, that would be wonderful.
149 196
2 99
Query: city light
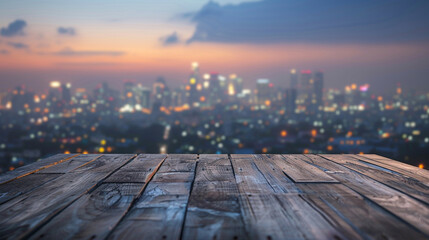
218 114
55 84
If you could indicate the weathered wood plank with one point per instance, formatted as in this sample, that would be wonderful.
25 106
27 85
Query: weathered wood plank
248 177
179 163
137 170
71 164
20 186
51 198
35 167
402 168
214 159
270 215
160 211
94 214
173 177
399 182
213 209
274 174
284 216
300 171
401 205
354 214
281 184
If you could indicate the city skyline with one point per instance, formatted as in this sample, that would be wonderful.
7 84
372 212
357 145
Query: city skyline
213 113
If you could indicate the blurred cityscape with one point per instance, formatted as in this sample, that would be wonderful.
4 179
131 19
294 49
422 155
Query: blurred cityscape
213 113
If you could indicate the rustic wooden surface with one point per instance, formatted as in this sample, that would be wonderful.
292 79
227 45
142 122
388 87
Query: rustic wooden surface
191 196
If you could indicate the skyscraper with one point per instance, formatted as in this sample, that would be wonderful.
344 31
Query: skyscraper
293 79
290 100
263 88
193 83
317 96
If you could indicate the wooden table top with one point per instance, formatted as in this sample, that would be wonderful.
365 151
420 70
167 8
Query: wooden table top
191 196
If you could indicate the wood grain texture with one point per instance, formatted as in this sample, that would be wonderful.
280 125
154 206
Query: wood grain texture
23 185
300 171
71 164
160 211
152 196
248 176
401 205
35 167
408 185
402 168
355 216
284 216
213 205
274 175
51 198
94 214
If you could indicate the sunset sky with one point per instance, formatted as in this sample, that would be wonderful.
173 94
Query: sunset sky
383 42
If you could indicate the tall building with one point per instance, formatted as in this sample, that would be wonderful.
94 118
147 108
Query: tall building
193 84
290 100
66 90
161 93
317 96
293 79
215 90
263 90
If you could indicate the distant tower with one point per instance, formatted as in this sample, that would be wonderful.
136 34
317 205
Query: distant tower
317 98
293 79
66 93
263 88
290 100
193 83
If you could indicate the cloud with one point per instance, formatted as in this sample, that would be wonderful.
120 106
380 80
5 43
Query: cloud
15 28
68 52
69 31
18 45
314 21
4 52
170 39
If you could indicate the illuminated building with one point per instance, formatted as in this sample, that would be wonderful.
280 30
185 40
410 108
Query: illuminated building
194 81
263 87
293 79
290 100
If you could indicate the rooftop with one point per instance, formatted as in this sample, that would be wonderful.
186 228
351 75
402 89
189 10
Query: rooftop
191 196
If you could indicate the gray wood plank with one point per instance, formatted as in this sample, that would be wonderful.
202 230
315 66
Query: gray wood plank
275 175
160 211
407 185
22 185
270 215
179 163
355 214
402 168
214 159
94 214
35 167
248 177
213 209
137 170
284 216
71 164
51 198
399 204
282 184
300 171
